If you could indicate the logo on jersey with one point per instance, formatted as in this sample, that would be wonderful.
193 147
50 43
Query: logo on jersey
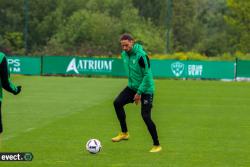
145 101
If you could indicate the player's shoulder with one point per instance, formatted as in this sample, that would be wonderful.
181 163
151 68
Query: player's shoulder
140 51
141 54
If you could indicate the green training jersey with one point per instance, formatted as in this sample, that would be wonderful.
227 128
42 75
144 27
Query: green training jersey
5 77
137 66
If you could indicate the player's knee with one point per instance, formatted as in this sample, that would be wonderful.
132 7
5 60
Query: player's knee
145 116
117 103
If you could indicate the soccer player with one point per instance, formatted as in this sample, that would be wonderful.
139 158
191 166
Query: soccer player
5 83
140 89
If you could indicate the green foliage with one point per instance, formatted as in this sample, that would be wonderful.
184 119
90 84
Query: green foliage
155 10
239 19
181 56
214 38
11 16
97 33
183 26
242 56
143 30
198 56
13 41
93 27
88 32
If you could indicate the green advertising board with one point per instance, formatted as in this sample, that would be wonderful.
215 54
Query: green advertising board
82 66
70 65
24 65
193 69
243 69
114 67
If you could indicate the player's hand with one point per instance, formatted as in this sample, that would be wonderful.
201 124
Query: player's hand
19 88
137 98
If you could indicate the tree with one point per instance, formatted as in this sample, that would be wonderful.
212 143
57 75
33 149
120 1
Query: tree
213 32
11 17
183 25
239 20
96 29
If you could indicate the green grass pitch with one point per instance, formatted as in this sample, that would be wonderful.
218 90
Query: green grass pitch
200 123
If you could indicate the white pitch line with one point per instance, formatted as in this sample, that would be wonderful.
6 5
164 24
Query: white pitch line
13 136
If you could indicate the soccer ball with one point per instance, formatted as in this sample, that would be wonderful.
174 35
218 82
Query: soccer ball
93 146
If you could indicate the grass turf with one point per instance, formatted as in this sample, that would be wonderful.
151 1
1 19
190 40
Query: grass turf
200 123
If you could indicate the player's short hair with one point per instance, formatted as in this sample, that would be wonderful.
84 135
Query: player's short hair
126 37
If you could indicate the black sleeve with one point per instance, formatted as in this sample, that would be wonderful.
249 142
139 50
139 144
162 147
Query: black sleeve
142 63
4 74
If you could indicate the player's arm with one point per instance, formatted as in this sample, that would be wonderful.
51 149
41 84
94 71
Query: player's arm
5 80
145 65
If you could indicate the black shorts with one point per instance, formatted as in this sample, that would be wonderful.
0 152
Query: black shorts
127 96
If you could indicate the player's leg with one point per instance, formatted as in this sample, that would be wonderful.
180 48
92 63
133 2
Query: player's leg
146 106
125 97
1 125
